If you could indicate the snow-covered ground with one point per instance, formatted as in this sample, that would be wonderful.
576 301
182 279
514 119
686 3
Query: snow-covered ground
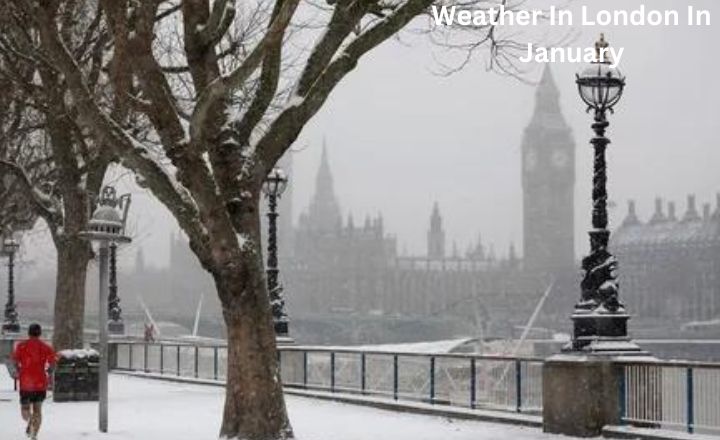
144 409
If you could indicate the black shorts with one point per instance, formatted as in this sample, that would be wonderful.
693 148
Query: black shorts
28 397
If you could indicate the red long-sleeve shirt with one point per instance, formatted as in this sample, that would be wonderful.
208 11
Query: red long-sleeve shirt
32 358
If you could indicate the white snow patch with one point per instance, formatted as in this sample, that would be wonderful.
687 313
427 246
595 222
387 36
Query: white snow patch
78 354
295 101
233 114
47 201
244 242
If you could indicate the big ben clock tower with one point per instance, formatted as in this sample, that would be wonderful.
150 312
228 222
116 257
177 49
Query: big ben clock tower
548 178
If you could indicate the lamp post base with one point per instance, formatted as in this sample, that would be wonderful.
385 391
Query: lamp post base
602 334
11 327
116 327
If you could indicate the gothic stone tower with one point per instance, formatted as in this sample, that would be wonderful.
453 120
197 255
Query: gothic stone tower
548 178
324 213
436 236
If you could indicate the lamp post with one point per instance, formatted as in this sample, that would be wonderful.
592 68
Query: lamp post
106 229
11 323
273 187
116 325
599 318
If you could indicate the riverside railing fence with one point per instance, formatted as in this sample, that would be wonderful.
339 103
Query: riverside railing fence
463 380
671 395
181 359
653 393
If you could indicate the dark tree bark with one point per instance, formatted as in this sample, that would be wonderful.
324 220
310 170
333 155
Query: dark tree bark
254 405
72 261
252 372
73 253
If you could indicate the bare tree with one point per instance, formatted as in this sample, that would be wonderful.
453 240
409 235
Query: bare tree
53 165
217 127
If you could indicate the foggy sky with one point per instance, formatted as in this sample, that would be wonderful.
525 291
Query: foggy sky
401 137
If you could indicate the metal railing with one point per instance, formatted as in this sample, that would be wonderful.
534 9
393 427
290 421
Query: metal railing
462 380
671 395
658 394
188 360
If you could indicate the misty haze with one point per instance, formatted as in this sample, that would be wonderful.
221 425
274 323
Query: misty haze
469 220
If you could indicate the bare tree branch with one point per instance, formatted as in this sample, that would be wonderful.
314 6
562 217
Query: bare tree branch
108 132
286 127
45 204
221 87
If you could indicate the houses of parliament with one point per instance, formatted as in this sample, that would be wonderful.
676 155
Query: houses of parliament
340 266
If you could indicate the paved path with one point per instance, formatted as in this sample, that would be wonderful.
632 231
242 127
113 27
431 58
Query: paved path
144 409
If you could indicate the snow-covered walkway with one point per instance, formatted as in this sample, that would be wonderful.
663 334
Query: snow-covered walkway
144 409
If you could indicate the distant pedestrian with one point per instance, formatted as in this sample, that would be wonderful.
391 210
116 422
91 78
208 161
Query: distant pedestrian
149 333
32 361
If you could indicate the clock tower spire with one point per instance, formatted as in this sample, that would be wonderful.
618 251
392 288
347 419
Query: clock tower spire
548 179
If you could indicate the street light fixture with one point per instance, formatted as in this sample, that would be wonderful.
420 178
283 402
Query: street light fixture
11 323
599 318
106 228
273 188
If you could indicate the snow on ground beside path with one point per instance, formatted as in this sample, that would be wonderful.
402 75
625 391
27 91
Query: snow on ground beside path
143 409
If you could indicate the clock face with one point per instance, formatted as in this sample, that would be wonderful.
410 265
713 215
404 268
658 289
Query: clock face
530 160
560 158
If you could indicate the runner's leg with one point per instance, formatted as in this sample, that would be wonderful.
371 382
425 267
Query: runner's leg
25 412
36 417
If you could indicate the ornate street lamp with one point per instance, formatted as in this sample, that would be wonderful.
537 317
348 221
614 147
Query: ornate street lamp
116 325
11 323
106 229
599 318
273 187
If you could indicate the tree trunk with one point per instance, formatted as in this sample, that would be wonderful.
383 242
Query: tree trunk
73 255
254 403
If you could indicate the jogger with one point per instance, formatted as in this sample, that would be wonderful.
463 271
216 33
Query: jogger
33 359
